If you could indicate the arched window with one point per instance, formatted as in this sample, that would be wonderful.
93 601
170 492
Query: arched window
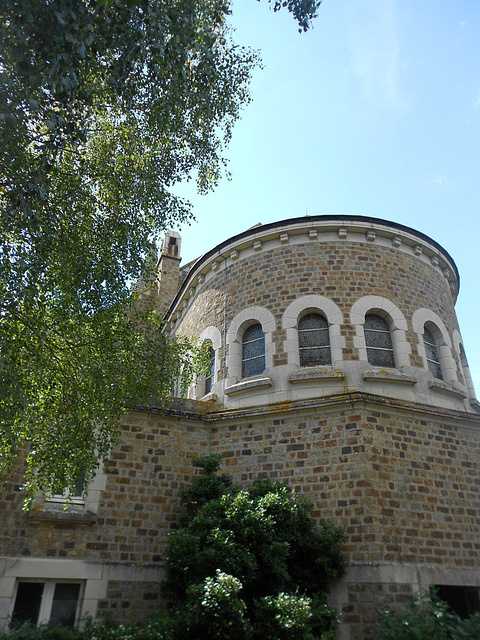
211 370
253 351
431 352
378 341
313 340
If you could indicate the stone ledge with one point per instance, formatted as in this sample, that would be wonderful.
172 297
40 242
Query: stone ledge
475 404
388 375
209 398
249 385
58 513
308 374
445 387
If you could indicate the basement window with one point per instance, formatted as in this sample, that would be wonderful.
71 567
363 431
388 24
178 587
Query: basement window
40 601
463 600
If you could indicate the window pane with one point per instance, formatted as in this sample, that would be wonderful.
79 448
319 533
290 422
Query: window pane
64 605
253 351
463 600
253 333
435 369
80 485
372 321
314 340
379 339
316 356
381 357
312 321
211 370
253 367
431 352
27 603
63 494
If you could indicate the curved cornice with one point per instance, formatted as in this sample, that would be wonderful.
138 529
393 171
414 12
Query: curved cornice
348 228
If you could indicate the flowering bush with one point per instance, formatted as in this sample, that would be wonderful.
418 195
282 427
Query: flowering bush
249 564
215 609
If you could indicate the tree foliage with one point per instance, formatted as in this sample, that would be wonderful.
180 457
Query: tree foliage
104 107
302 10
103 110
254 556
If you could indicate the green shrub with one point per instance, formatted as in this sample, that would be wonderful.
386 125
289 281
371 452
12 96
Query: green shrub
43 632
260 545
207 487
426 617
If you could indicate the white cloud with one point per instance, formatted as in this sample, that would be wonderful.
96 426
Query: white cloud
438 179
376 58
476 100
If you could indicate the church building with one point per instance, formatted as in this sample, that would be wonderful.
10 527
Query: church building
337 366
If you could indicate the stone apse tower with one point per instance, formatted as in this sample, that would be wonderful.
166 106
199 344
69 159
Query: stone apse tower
337 366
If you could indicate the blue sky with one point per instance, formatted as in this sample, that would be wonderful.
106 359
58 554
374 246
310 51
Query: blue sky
375 111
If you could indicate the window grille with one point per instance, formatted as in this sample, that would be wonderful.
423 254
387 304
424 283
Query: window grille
314 340
378 341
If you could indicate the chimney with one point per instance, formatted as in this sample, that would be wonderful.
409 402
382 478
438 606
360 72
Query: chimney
168 269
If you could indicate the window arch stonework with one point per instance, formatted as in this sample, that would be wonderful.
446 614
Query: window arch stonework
396 322
241 322
426 318
300 308
213 336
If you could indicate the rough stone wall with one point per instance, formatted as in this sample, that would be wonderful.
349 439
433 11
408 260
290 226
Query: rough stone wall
404 483
128 601
341 271
361 613
406 487
139 504
124 542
